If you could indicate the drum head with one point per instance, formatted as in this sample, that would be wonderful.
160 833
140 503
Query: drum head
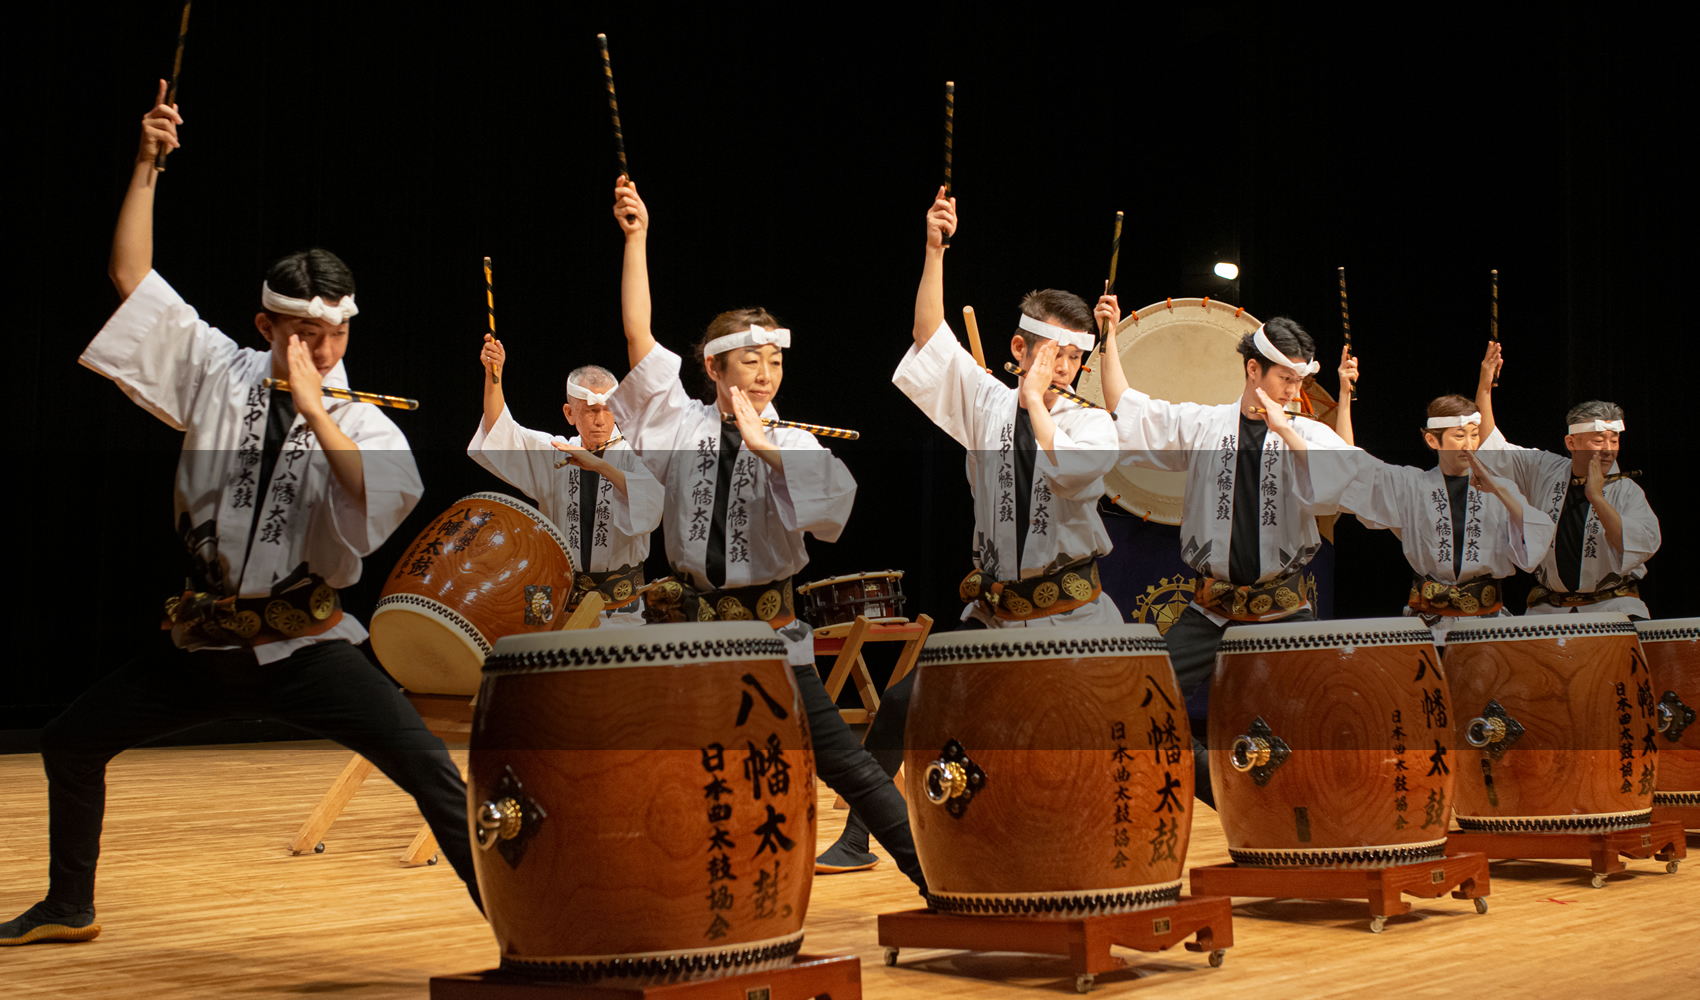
1184 351
424 651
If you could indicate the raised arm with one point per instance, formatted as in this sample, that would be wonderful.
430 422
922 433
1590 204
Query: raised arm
633 217
1109 316
1348 379
494 357
1492 362
132 242
929 298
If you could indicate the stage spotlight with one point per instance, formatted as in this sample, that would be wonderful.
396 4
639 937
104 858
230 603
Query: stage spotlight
1227 270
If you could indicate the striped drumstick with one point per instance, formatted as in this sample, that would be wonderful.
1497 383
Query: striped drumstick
815 429
1346 323
171 93
949 142
1110 285
490 303
973 326
614 111
1493 325
1018 371
598 452
351 395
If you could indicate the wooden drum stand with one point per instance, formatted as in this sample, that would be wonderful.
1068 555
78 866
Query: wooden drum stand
836 977
1462 873
1663 840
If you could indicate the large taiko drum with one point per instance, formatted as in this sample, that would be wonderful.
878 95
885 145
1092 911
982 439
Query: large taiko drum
489 566
1560 712
1331 744
1672 649
643 802
1049 771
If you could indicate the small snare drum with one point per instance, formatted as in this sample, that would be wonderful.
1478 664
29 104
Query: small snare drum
841 598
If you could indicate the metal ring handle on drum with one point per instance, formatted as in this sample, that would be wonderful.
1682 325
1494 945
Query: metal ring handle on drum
1248 752
498 821
1258 752
944 780
1484 731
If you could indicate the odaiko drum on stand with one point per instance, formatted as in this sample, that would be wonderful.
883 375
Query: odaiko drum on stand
1049 771
1562 715
643 802
1672 649
1331 744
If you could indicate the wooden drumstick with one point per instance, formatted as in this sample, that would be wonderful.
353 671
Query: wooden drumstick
171 92
949 140
1346 324
1110 285
1018 371
1493 325
490 301
614 110
973 326
351 395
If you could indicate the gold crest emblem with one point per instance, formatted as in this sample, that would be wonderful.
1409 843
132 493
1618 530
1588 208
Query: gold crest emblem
1261 604
1045 594
1286 598
1017 605
323 601
730 609
286 619
622 590
1076 587
768 605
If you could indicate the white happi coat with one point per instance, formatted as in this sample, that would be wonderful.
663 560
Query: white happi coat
679 439
199 381
1545 478
525 459
1203 441
1416 502
979 411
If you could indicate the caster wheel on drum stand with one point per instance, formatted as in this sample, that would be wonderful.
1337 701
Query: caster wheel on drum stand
1481 904
1377 924
318 848
1083 982
890 957
1598 881
433 860
1671 866
1217 957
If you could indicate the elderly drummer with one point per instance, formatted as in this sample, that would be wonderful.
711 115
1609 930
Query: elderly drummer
1249 521
1605 531
592 485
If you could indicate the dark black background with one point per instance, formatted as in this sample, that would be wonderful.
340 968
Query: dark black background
788 159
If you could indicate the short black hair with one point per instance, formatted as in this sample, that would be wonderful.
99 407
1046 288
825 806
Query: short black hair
1288 337
306 273
1066 308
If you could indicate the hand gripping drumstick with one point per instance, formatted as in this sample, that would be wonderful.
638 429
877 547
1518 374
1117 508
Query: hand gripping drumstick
1018 371
973 326
1346 323
1493 325
949 139
614 110
490 300
376 399
171 92
598 452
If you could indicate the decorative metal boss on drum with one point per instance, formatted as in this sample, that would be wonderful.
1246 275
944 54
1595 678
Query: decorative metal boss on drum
1674 716
508 819
953 780
1494 731
1259 751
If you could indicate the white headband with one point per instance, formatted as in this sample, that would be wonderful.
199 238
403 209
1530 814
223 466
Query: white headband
1465 420
317 309
1588 426
1268 350
1067 338
577 391
755 336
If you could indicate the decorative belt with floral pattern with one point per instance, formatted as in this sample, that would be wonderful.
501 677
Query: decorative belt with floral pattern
675 601
1061 590
1570 599
619 587
1257 602
309 608
1481 596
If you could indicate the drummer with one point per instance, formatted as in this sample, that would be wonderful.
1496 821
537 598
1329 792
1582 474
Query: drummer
1249 522
739 498
1036 464
1460 545
608 537
1605 531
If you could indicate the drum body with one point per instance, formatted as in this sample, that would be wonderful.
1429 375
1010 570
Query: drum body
1049 771
1672 650
489 566
643 802
1331 744
1555 714
841 598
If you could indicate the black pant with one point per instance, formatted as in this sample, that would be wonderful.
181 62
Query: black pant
1193 641
328 688
848 769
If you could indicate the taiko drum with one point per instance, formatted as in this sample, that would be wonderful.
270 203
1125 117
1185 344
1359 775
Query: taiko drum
643 802
1558 715
1331 744
489 566
1672 650
1049 771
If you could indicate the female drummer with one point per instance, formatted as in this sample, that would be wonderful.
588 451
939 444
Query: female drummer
278 497
740 496
1605 530
605 500
1460 546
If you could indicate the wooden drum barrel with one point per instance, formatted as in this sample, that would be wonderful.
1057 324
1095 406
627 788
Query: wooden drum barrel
1672 649
1561 713
1049 771
643 802
489 566
1331 744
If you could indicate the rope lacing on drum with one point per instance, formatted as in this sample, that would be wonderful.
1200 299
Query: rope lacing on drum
1082 904
1541 631
1021 649
661 966
1666 634
1327 640
592 656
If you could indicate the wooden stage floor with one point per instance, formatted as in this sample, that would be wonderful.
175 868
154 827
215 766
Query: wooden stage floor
199 898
